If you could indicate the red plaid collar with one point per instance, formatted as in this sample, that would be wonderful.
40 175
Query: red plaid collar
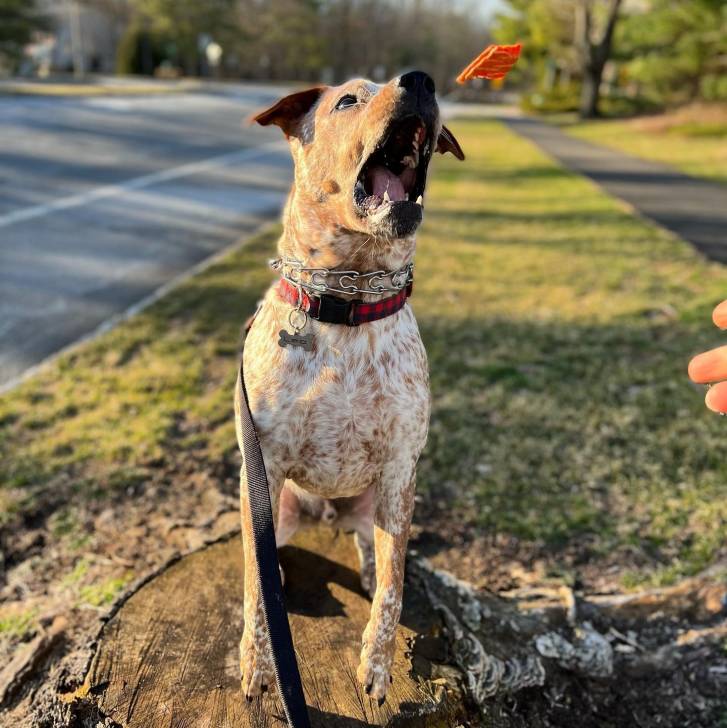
334 310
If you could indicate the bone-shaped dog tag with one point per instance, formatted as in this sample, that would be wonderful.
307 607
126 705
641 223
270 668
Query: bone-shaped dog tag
304 341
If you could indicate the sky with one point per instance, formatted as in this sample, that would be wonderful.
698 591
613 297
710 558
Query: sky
484 8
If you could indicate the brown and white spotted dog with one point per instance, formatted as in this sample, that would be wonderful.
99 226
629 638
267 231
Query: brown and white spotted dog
342 423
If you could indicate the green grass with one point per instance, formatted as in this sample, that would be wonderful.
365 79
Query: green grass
18 625
85 587
79 572
104 593
699 149
558 327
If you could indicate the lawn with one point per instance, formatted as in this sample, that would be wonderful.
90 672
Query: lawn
558 326
693 140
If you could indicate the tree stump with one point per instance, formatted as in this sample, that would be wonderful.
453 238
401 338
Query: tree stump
169 655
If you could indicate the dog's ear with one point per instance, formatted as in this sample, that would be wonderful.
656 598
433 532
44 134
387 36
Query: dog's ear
447 143
288 112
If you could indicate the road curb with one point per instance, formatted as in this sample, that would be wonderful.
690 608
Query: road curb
136 308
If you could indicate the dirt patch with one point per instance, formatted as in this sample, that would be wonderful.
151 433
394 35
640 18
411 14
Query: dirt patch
104 546
501 562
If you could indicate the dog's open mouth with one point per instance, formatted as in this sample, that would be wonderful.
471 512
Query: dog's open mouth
396 172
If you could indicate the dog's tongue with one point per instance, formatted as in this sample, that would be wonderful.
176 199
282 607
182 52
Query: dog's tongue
384 180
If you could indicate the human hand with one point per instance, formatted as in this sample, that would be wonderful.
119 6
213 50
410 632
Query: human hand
711 367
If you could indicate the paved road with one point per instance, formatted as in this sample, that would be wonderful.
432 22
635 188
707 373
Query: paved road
694 209
104 199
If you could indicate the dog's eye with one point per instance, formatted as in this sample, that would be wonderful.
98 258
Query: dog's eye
346 101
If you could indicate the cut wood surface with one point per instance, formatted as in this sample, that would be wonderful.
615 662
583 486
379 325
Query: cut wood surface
169 656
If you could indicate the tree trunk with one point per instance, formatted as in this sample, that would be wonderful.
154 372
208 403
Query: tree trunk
594 54
169 655
590 93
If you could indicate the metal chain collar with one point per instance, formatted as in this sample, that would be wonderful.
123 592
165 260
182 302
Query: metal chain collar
348 280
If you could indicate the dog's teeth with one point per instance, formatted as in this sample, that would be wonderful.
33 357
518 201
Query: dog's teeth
386 196
420 200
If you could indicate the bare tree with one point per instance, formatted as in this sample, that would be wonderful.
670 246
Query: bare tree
595 50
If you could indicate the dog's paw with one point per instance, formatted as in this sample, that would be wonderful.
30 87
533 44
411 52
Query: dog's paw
256 669
374 673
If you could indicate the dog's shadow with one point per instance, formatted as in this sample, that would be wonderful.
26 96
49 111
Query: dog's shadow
322 584
307 579
309 576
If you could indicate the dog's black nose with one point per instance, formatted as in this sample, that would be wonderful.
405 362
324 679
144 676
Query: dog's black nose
417 82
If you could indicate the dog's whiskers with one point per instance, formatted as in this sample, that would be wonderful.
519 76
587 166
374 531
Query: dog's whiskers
365 242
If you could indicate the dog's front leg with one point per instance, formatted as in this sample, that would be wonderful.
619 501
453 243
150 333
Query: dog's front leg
393 508
256 660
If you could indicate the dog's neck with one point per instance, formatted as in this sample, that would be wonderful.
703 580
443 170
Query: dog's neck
312 237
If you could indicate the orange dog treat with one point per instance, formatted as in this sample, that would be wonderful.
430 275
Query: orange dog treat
494 62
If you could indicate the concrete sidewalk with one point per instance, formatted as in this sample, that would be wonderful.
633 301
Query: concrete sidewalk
694 209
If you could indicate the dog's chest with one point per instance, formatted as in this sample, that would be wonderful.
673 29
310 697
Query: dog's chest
333 417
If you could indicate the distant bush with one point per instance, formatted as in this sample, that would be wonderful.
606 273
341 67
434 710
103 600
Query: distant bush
305 40
714 88
621 105
128 59
142 52
19 21
560 99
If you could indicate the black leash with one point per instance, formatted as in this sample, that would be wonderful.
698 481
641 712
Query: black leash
287 675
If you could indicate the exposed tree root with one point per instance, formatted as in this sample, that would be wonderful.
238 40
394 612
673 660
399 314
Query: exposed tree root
25 663
503 646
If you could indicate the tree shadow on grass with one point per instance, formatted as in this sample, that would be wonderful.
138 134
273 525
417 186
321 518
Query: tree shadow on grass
598 217
533 173
551 431
543 429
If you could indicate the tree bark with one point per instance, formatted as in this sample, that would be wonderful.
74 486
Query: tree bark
169 655
590 93
594 54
